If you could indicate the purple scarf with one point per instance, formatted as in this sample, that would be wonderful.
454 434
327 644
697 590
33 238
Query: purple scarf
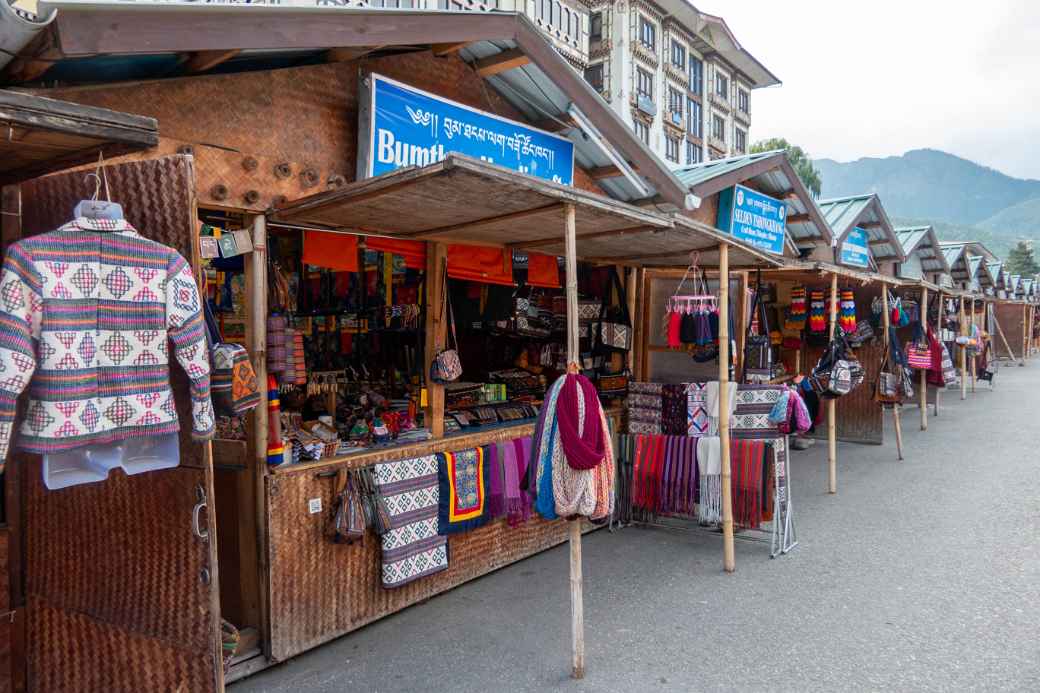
588 449
518 504
496 482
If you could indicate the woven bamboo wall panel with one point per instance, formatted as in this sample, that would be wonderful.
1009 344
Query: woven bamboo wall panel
306 117
72 653
320 590
1010 318
121 551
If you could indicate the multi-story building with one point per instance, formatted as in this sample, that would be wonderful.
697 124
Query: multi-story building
678 75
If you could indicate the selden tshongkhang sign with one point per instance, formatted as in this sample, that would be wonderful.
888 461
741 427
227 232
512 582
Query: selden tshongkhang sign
756 219
409 127
855 250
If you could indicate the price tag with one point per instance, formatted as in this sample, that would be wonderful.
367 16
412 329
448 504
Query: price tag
314 506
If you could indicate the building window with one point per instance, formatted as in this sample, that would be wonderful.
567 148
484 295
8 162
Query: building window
596 26
594 76
718 128
642 131
742 100
644 83
678 55
694 155
694 126
647 33
696 76
675 103
671 149
721 85
739 141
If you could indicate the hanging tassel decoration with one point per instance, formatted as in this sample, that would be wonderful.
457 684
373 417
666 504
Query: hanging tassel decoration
275 447
848 311
817 316
798 312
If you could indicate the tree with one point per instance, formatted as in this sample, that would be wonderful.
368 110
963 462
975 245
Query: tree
801 162
1021 261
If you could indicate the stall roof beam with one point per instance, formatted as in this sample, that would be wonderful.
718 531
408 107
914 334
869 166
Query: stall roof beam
511 217
200 61
46 135
506 60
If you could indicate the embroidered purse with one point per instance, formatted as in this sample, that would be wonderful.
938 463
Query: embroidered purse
446 367
233 385
918 351
613 332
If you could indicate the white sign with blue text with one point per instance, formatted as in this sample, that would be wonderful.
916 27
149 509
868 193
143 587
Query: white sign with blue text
410 127
754 218
855 250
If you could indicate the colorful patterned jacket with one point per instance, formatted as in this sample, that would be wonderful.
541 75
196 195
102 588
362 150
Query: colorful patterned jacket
85 315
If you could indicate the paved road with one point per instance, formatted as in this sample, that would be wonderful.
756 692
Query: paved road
918 576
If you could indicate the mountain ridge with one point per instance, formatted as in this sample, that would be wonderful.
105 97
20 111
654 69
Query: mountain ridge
967 200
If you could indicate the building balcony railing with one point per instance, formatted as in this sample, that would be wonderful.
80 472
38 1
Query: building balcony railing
720 102
742 116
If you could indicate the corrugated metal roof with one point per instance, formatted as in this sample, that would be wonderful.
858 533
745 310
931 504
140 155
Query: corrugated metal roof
544 89
845 213
775 181
997 270
921 240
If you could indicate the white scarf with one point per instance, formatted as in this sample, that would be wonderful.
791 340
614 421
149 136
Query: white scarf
711 395
709 464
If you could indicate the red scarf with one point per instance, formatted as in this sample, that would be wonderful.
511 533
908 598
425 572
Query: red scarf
587 450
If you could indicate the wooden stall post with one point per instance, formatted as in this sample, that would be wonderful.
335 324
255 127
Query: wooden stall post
256 287
886 322
964 352
630 294
924 373
973 359
938 336
1025 334
577 586
729 560
832 412
436 331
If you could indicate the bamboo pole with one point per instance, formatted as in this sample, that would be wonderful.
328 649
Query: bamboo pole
436 331
886 322
631 291
1022 361
832 412
971 366
576 582
923 397
938 335
963 352
729 560
742 320
257 287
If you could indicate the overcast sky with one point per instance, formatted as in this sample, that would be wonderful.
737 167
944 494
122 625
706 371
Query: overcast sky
879 78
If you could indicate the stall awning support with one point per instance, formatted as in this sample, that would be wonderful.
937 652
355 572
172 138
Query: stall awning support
923 395
577 586
973 360
938 335
886 321
964 351
832 413
729 560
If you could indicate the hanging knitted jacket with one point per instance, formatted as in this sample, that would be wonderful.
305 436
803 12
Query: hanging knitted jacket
799 312
87 313
817 317
848 311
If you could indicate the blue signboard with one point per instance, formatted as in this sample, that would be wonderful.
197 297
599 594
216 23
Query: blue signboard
855 251
410 127
754 218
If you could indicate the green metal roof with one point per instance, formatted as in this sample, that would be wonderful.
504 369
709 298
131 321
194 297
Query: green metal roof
922 241
772 174
844 213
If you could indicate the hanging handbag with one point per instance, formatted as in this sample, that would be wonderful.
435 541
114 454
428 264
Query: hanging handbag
348 521
918 351
233 385
613 332
613 384
446 367
758 348
889 386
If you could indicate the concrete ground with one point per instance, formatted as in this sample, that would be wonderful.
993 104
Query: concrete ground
919 575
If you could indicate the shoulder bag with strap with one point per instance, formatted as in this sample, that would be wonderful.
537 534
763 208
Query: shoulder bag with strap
446 366
758 348
233 384
613 332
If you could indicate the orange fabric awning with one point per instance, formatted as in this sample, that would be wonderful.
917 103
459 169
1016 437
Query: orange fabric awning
543 271
477 263
413 252
336 251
